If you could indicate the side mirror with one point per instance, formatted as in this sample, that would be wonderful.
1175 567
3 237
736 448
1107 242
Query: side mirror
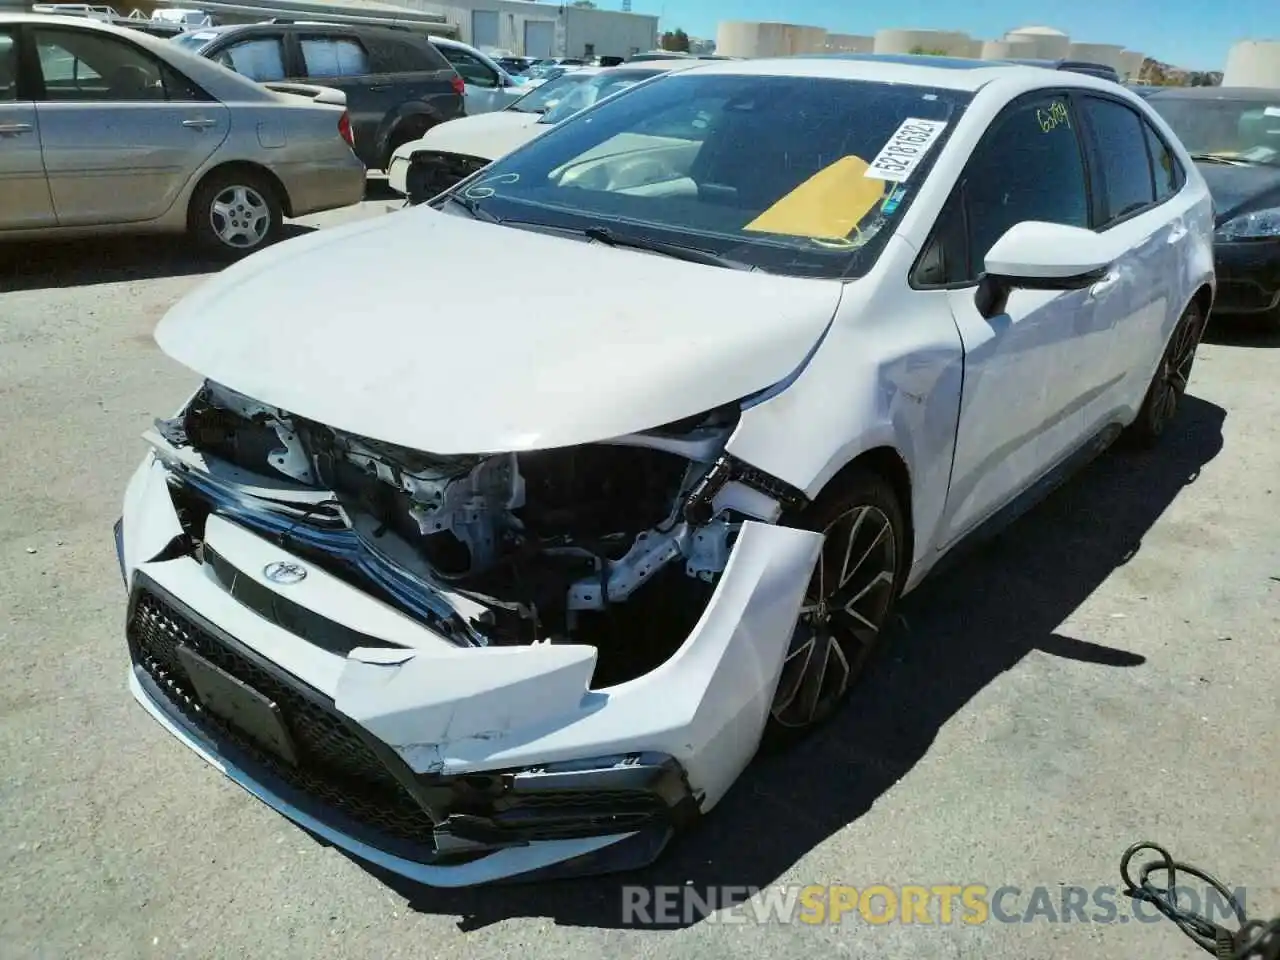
1043 256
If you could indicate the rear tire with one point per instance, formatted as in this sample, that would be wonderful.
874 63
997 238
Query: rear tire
400 136
1169 384
234 213
852 595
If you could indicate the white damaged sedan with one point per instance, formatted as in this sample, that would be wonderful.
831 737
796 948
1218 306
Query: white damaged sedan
511 580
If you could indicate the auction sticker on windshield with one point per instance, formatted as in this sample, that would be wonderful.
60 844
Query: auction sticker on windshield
905 149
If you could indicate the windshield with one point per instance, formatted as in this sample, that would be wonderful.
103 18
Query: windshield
799 176
1247 129
193 41
597 87
545 96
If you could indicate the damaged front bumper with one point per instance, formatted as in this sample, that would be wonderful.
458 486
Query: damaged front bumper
451 766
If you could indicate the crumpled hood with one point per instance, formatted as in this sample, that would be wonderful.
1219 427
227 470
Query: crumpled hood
451 335
485 135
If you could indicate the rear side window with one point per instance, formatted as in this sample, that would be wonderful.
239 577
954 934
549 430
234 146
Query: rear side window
8 67
334 56
1164 165
261 58
394 55
1120 145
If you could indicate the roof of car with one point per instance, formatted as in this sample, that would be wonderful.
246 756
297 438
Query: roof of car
948 73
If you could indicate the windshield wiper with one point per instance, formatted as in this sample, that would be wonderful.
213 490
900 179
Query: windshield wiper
691 254
1220 158
472 207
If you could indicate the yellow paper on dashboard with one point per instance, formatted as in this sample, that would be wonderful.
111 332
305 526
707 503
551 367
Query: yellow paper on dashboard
827 206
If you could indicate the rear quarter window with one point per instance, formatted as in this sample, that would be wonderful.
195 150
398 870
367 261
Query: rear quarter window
400 55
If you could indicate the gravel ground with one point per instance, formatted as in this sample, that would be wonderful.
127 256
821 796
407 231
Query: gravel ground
1105 672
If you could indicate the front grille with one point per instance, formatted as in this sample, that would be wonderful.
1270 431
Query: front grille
336 767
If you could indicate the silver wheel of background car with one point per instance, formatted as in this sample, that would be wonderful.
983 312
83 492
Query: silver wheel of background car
850 596
240 217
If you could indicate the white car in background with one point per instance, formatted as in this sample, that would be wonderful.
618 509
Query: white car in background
488 86
450 151
513 583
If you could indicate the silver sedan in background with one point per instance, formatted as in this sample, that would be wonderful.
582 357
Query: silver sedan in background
106 130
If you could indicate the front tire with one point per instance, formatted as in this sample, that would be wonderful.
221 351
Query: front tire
234 213
1169 384
854 590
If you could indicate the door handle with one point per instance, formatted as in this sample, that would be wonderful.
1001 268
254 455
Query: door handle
200 124
379 87
13 129
1105 284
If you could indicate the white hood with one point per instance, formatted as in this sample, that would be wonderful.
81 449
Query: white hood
485 135
451 335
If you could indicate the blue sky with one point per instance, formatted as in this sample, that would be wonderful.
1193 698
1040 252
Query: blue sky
1188 33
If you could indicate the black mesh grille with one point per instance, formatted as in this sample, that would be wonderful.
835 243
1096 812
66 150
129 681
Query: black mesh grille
335 767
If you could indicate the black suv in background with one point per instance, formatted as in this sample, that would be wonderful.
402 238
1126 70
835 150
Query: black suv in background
397 84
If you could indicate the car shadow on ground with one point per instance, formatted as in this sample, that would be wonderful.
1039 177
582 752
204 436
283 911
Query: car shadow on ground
958 633
77 263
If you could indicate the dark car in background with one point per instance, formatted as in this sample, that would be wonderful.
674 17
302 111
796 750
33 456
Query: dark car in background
1233 134
398 86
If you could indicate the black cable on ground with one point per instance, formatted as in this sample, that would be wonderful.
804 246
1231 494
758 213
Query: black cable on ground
1254 940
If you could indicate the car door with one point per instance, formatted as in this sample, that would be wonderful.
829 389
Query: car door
339 59
1134 174
1028 166
121 133
24 188
484 92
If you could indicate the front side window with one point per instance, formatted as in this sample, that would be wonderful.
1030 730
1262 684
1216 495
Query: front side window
1027 167
392 55
260 59
334 57
470 68
796 175
81 65
1120 144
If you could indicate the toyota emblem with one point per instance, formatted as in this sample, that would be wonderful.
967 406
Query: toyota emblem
284 572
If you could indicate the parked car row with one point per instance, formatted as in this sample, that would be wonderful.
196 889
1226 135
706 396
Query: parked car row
104 129
514 583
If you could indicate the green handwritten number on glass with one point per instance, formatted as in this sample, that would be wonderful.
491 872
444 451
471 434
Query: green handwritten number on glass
1053 116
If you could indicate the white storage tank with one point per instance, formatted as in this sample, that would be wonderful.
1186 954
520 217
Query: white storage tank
1048 43
1253 63
1022 48
849 43
1106 53
745 38
1131 62
942 42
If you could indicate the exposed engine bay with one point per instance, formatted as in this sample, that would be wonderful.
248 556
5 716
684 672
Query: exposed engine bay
590 544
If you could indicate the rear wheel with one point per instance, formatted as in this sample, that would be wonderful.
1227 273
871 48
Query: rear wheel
235 212
1169 384
402 135
853 591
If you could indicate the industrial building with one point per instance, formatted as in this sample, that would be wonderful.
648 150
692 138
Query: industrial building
746 39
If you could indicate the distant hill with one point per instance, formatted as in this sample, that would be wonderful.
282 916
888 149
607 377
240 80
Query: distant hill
1167 75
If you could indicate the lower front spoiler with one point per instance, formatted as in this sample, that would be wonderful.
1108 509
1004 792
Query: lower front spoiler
535 861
